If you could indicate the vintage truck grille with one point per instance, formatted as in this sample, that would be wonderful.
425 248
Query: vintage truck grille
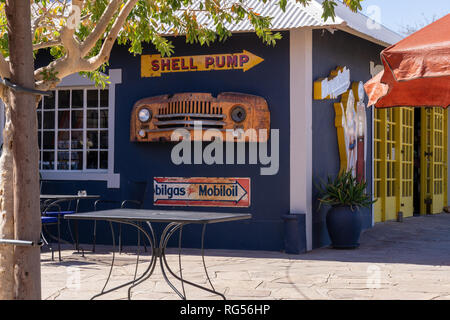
156 119
183 114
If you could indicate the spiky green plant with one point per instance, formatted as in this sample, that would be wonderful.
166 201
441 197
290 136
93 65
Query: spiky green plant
344 190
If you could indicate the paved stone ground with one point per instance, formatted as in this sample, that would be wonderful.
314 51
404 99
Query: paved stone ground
409 260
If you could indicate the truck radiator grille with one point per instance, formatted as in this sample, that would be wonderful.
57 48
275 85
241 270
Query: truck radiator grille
183 114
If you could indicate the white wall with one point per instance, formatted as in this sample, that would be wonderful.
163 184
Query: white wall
301 95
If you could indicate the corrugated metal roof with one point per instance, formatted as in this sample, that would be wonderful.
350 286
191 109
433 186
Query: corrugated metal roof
295 16
361 25
298 16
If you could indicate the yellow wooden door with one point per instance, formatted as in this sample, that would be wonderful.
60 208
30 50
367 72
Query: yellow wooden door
385 164
393 163
433 163
405 162
379 122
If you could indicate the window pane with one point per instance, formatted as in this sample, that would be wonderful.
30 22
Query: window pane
63 119
49 102
70 130
77 119
103 160
104 119
40 104
103 139
39 140
49 140
49 120
92 140
63 160
92 119
48 161
104 98
77 99
77 160
92 160
77 139
39 119
63 99
92 98
63 140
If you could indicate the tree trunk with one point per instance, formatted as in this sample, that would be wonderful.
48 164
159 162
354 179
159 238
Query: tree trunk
27 221
7 211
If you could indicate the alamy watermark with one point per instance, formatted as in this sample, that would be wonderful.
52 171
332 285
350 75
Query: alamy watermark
213 153
73 280
373 280
374 14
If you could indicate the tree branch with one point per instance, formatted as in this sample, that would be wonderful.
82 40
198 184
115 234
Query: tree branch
47 44
73 60
5 72
100 28
61 66
103 56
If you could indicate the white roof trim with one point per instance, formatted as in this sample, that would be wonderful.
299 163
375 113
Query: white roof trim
362 26
297 16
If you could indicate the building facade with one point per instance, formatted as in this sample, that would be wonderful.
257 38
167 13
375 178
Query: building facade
88 140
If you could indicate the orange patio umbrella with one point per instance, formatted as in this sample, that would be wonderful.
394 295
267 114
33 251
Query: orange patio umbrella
416 70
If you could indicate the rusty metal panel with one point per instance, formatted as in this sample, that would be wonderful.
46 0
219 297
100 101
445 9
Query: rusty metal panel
229 111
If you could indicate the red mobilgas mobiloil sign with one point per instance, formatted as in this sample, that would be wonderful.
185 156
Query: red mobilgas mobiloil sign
206 192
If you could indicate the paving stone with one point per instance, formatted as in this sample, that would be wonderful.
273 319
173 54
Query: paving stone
412 258
243 293
232 275
244 284
288 293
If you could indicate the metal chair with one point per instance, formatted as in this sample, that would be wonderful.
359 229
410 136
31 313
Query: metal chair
59 213
135 193
51 220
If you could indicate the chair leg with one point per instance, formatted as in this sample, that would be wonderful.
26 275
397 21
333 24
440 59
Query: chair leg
143 239
95 236
77 235
77 240
47 244
59 240
120 238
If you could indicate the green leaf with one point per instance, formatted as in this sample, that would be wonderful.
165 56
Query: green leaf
345 190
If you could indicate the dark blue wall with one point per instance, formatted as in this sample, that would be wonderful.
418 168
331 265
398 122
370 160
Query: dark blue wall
143 161
330 51
270 79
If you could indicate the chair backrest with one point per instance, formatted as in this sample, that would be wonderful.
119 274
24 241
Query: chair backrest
135 190
43 185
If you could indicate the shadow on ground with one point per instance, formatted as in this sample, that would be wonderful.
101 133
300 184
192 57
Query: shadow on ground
418 240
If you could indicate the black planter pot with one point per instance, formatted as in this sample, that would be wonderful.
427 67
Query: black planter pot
344 227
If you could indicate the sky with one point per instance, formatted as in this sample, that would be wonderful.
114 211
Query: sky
396 14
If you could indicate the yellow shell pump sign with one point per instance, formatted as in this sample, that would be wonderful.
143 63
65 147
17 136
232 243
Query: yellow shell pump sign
155 65
350 118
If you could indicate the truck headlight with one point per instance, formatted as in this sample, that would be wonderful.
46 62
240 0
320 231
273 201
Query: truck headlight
144 115
238 114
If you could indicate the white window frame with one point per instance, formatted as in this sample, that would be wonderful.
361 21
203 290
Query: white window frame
75 81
